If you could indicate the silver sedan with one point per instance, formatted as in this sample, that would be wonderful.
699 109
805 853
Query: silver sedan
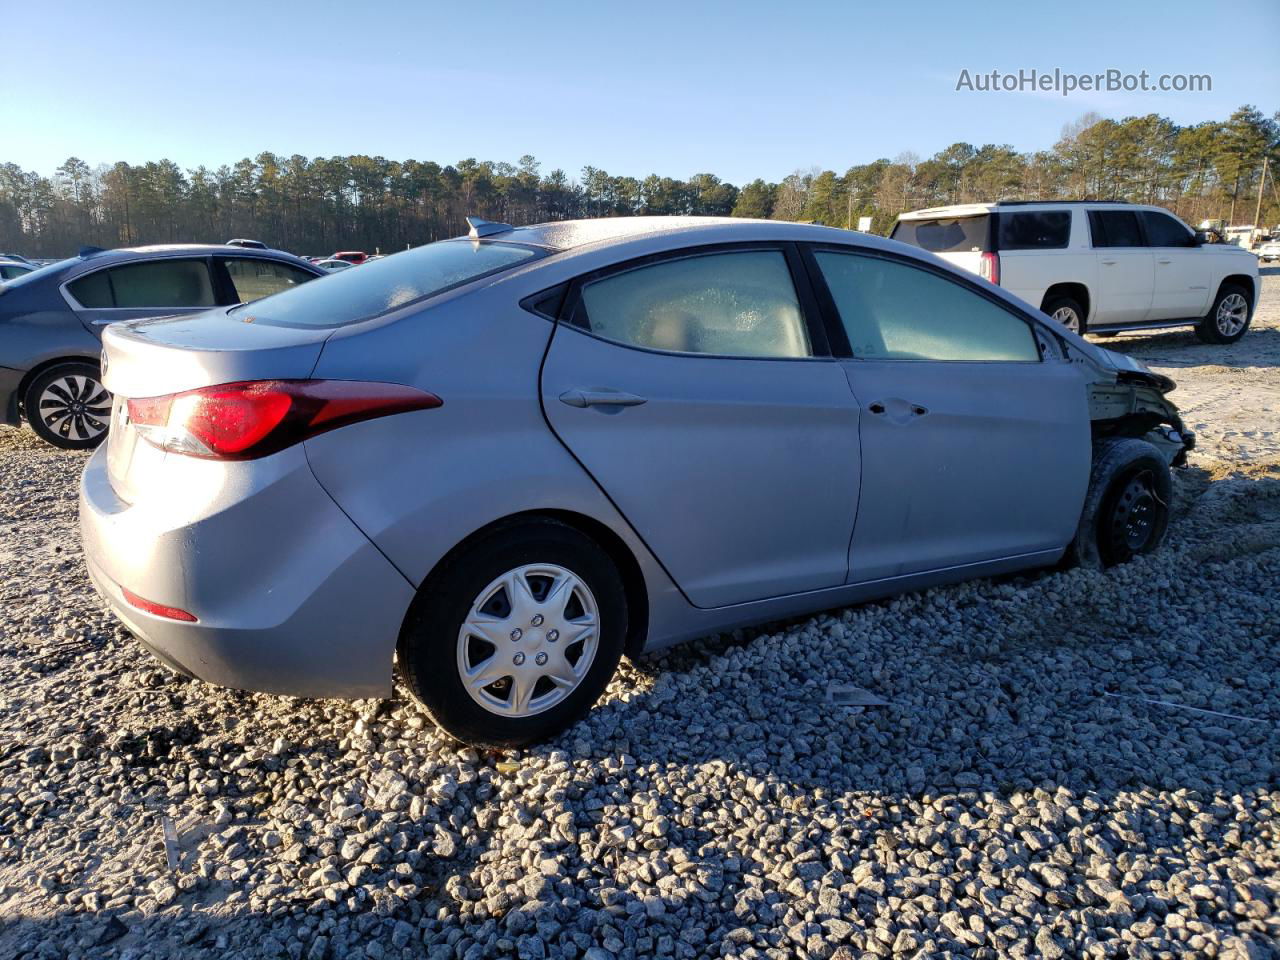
501 462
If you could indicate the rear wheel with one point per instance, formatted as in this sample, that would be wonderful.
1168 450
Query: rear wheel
1126 509
517 636
1066 312
68 407
1228 318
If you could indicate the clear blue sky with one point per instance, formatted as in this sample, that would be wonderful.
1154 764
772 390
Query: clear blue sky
738 89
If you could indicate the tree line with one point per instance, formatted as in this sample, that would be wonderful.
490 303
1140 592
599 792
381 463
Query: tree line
317 205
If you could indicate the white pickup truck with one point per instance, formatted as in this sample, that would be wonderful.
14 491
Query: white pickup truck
1097 267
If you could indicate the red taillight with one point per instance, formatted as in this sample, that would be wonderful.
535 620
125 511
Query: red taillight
159 609
989 268
241 421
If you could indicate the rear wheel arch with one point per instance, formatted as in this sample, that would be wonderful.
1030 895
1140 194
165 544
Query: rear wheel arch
1072 291
637 594
25 383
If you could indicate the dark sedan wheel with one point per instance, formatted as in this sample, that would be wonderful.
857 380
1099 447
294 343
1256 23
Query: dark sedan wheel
516 636
68 407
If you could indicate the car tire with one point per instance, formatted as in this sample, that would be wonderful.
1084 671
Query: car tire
1126 508
1229 317
68 407
491 603
1062 310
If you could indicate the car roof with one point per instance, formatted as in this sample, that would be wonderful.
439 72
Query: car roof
1030 206
567 235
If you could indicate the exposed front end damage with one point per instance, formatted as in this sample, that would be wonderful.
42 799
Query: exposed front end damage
1129 408
1128 399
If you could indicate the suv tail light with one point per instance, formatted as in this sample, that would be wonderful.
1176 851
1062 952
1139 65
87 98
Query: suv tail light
989 267
243 421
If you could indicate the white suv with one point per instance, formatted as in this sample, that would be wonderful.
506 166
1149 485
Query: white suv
1095 266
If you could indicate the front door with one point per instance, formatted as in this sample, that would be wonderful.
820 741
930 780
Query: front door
974 448
695 391
1181 269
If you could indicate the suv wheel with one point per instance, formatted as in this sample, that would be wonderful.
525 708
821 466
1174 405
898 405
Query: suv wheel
1126 509
1066 312
68 407
517 636
1228 318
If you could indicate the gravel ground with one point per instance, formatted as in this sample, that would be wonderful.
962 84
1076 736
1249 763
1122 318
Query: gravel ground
1019 795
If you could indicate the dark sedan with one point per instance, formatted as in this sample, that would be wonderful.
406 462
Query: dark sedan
51 322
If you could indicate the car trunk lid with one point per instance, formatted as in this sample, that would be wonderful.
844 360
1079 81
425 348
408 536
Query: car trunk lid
153 358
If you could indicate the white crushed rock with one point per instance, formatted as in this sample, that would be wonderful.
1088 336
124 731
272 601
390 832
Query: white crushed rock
714 804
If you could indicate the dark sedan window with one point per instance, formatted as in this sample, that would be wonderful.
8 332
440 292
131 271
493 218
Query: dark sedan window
255 278
148 285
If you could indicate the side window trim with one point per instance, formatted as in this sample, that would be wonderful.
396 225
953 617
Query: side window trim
572 314
831 313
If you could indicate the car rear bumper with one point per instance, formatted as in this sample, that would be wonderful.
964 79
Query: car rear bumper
9 380
290 598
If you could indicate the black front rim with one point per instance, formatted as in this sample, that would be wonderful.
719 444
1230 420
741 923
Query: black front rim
1135 516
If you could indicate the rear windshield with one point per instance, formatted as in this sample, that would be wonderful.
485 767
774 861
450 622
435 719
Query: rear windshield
349 296
944 235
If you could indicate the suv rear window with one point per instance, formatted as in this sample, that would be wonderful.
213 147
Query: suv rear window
946 234
1040 230
378 286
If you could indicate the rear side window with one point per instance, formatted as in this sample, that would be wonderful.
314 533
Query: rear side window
892 311
945 235
1114 228
1041 230
1164 231
348 296
150 285
93 292
254 278
739 304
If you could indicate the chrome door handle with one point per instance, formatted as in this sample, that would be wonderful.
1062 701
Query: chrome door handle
600 398
1164 260
1109 263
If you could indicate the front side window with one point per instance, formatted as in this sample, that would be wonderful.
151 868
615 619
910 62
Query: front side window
736 304
154 284
893 311
1164 231
1042 230
254 278
1115 228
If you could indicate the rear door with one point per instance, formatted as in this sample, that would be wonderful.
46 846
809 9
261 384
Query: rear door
696 388
1126 268
149 288
1181 284
974 448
